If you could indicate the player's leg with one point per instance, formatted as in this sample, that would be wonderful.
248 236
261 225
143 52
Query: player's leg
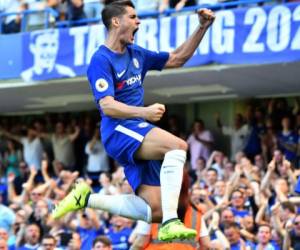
126 205
160 144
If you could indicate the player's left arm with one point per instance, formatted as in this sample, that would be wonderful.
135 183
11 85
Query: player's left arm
184 52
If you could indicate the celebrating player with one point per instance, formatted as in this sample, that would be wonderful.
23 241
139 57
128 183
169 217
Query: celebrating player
116 74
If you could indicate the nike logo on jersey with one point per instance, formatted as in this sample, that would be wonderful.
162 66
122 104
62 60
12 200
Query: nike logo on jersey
121 73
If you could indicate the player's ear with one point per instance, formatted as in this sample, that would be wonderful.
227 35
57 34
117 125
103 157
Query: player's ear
115 21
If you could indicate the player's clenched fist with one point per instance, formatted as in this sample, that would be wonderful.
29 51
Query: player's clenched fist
154 112
206 17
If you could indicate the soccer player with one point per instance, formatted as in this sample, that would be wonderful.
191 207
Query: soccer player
116 74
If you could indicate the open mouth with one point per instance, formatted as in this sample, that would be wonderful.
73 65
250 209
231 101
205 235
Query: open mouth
133 34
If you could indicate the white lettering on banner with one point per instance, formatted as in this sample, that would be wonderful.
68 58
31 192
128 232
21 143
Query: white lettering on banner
258 18
147 34
296 41
96 37
79 47
274 28
223 32
181 29
165 34
279 28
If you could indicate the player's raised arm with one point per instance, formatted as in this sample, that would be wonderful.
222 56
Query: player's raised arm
184 52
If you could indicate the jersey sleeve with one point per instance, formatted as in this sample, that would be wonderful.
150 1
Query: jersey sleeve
100 77
154 60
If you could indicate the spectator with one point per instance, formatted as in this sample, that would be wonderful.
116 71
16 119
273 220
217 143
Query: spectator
36 20
32 236
211 179
63 146
143 6
102 243
88 226
200 142
32 147
5 237
238 134
75 242
232 233
12 158
97 157
11 23
7 216
107 187
177 4
292 234
48 243
75 10
3 244
238 205
264 236
118 233
92 8
288 140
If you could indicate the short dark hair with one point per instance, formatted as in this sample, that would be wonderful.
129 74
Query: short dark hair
265 225
114 9
49 236
233 225
103 239
287 205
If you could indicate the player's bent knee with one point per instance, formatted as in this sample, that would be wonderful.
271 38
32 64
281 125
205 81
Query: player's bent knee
178 144
183 145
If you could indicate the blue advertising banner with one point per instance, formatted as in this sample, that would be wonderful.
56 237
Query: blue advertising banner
256 35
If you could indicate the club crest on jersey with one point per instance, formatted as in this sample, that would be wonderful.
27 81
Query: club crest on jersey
143 125
136 63
101 85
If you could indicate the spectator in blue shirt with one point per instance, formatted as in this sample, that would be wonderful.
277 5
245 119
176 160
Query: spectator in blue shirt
232 233
238 205
88 228
288 140
32 237
264 236
102 243
119 233
7 216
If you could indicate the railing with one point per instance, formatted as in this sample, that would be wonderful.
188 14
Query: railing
167 12
50 12
26 13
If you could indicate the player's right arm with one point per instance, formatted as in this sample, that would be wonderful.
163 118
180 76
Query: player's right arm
100 76
115 109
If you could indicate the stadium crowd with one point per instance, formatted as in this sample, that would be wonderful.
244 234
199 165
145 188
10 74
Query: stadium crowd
247 197
74 10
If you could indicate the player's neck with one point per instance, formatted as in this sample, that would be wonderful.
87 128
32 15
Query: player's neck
113 43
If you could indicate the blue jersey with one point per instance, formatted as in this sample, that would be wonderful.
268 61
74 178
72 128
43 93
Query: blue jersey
121 76
291 139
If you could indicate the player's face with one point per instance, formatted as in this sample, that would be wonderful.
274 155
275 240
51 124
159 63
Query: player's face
45 50
129 24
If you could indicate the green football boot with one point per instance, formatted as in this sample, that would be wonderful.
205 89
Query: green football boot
175 229
75 200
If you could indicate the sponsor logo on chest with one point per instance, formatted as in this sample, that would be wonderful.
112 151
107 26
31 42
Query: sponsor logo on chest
129 82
